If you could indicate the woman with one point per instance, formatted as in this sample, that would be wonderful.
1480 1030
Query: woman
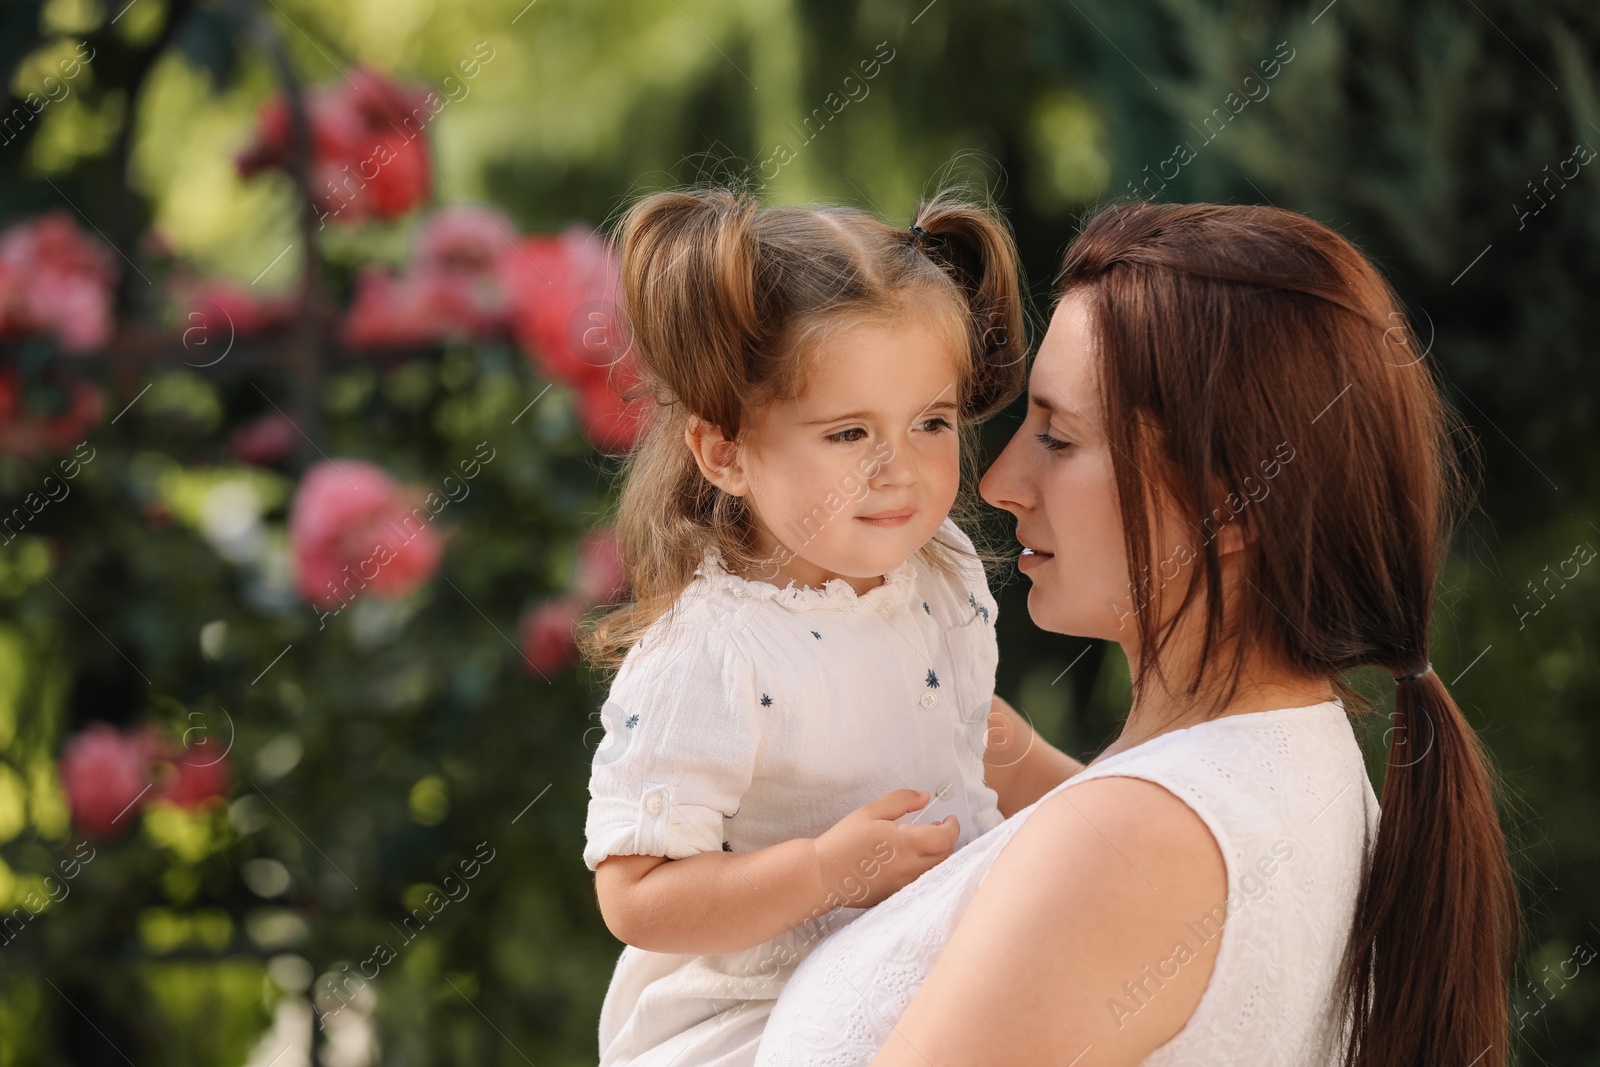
1236 466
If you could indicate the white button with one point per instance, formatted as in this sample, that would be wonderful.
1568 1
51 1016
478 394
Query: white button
929 700
942 792
885 606
653 805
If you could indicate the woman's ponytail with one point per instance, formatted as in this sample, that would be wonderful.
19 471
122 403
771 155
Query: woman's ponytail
1434 944
1244 332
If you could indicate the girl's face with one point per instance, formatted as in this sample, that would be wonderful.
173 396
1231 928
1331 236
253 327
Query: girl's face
1055 476
856 474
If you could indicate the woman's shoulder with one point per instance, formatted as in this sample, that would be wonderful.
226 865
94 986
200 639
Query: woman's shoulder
1252 823
1139 822
1283 798
1263 782
1287 764
1085 898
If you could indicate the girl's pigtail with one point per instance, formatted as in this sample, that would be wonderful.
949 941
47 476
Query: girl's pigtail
688 266
688 277
975 248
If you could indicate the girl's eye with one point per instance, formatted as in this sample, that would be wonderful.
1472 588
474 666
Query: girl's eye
840 436
944 424
1052 443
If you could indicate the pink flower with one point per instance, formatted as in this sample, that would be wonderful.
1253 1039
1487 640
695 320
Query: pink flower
549 635
468 278
105 774
264 441
198 775
369 158
109 774
601 578
462 239
215 311
53 279
352 525
567 317
27 433
451 288
390 311
611 423
565 291
549 630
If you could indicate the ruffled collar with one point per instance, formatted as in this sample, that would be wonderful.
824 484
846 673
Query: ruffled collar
834 594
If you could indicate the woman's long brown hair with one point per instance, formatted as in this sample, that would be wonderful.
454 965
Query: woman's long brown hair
1237 332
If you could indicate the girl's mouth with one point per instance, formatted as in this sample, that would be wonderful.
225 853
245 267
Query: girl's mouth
889 518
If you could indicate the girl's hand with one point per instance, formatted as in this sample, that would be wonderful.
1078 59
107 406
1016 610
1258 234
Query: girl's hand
866 856
717 902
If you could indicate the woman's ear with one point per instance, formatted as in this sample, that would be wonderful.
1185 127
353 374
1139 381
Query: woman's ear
717 456
1228 524
1233 536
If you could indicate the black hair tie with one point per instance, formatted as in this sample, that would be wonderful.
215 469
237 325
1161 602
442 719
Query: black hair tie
920 236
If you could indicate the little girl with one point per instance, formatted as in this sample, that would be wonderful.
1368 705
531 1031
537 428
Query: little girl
799 722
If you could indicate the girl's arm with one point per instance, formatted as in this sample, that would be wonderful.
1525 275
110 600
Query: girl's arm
1070 949
1020 765
716 902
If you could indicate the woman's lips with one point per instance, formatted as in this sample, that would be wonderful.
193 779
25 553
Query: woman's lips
1030 559
897 517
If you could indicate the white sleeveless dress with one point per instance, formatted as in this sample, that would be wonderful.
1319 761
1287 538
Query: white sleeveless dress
1286 795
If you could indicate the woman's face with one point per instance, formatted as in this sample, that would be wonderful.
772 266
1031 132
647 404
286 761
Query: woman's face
1065 498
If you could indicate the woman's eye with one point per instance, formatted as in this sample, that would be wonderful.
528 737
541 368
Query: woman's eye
842 439
1052 443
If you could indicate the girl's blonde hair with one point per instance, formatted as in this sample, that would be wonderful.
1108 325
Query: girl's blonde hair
727 301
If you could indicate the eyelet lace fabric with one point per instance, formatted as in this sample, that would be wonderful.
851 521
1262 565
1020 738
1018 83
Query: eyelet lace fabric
1289 782
744 720
835 593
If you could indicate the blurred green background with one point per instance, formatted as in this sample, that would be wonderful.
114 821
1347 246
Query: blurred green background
185 345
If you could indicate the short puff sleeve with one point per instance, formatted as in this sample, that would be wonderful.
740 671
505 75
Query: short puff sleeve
680 746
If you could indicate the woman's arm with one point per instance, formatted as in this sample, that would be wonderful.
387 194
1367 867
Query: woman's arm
716 902
1079 945
1020 765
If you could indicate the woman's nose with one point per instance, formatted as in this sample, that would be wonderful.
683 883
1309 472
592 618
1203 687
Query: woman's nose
1002 484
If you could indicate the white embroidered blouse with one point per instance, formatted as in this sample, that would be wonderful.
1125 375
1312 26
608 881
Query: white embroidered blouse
752 715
